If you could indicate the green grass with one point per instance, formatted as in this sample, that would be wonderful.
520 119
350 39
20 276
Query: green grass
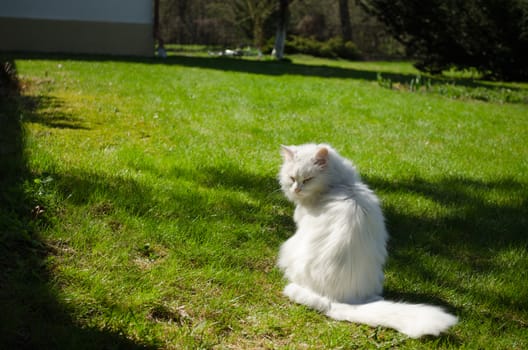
140 206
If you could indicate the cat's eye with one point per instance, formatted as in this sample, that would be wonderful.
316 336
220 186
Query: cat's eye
307 179
292 178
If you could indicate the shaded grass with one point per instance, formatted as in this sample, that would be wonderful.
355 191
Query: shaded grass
162 217
33 314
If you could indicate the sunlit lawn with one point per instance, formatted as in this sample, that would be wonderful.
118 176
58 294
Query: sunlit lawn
142 208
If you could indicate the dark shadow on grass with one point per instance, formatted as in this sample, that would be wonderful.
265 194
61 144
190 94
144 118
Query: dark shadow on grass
46 110
474 230
31 317
240 207
270 67
263 189
473 222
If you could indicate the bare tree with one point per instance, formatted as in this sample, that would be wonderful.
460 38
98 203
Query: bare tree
344 18
282 23
254 13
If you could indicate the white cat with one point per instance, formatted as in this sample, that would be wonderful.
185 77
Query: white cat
334 261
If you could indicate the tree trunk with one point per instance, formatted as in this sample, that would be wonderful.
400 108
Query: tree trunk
344 17
258 33
282 23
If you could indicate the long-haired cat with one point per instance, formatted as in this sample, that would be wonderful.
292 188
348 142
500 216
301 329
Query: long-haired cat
334 261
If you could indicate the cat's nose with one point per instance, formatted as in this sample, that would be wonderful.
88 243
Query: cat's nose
297 189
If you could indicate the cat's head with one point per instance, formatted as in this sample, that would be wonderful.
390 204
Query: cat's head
303 172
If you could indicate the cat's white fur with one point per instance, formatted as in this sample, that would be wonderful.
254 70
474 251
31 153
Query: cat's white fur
334 261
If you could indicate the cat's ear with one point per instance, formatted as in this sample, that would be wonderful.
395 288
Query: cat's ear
287 153
321 157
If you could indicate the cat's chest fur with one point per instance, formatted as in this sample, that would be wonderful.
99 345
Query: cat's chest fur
333 253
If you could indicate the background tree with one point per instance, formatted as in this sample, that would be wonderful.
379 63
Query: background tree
344 18
236 23
255 13
282 24
489 35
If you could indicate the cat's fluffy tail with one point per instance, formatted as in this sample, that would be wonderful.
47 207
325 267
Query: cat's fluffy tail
414 320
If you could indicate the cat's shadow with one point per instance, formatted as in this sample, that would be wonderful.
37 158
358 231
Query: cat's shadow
416 298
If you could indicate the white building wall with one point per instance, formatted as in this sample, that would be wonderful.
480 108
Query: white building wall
125 11
115 27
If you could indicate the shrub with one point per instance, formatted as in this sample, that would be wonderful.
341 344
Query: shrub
333 48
